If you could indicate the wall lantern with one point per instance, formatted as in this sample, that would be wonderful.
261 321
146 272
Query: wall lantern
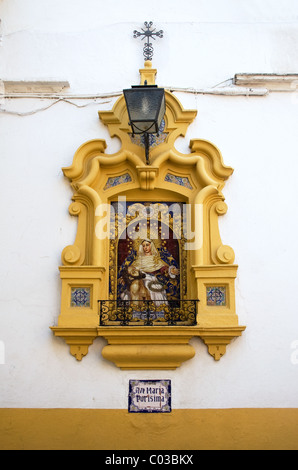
146 104
146 109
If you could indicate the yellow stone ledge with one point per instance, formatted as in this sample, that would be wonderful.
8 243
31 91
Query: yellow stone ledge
111 430
154 348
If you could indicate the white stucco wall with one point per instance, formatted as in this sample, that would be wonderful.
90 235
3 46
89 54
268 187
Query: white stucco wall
90 44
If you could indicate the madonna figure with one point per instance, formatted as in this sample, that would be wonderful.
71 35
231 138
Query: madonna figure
146 278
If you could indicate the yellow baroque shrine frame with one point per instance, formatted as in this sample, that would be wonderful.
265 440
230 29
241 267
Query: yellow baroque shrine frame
148 312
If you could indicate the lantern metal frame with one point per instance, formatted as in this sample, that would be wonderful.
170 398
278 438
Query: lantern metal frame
139 116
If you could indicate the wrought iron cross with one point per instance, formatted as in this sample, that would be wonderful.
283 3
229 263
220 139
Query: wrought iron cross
148 33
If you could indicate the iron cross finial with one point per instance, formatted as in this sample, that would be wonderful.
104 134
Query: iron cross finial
148 33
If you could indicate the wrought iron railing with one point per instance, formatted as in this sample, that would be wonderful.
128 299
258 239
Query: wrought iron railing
147 312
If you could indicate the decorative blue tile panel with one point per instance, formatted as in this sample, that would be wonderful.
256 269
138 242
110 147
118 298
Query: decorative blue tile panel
181 181
80 297
149 396
154 139
112 182
216 296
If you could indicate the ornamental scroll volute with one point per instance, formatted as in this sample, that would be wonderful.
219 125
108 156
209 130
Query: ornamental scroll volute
195 180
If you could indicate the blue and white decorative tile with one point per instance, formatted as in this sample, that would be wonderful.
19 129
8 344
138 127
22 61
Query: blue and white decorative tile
150 396
181 181
80 297
216 296
115 181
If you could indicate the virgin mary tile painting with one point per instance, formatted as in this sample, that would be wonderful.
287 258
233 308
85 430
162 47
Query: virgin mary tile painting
148 270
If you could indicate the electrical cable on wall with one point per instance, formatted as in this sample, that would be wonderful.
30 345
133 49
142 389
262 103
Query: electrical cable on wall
219 90
39 110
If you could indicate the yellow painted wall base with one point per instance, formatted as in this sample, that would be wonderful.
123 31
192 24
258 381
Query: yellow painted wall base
75 429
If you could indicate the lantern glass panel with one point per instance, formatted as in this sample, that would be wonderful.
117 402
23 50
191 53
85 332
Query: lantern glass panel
146 108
